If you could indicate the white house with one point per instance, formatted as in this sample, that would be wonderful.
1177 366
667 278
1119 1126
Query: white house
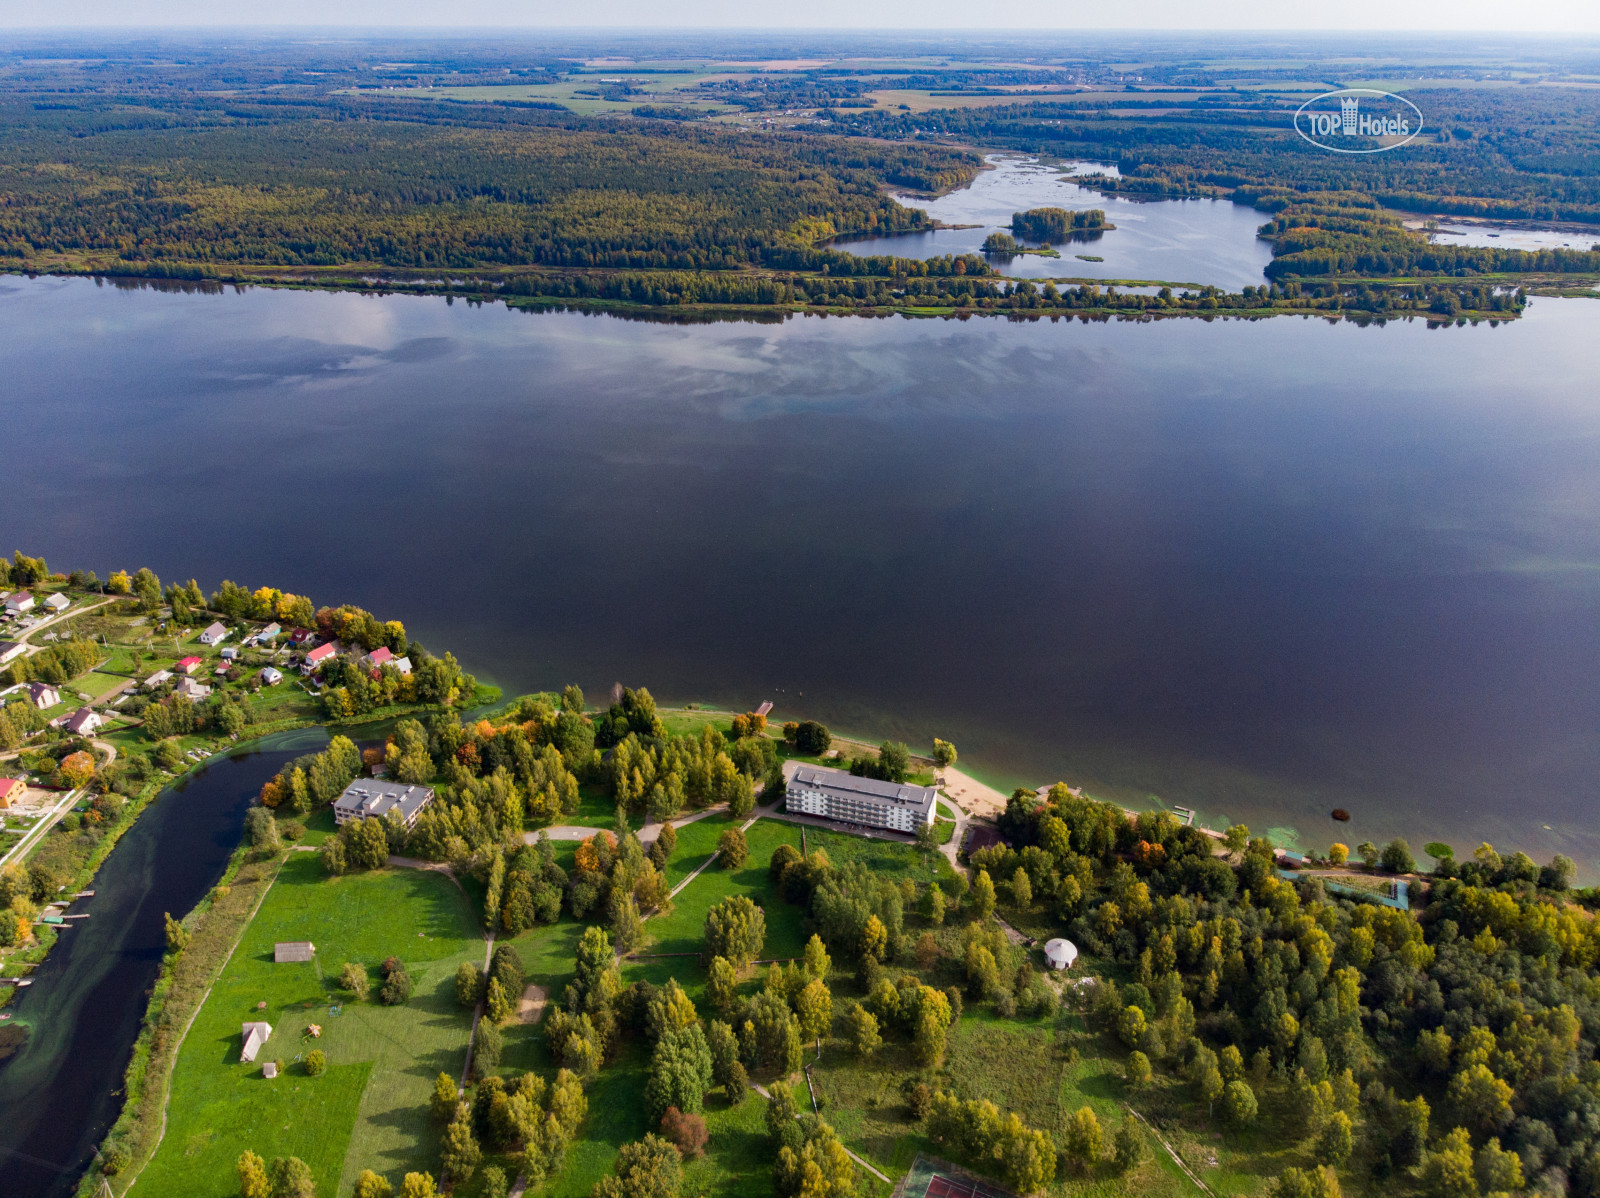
43 695
255 1036
230 654
318 657
18 602
83 722
270 676
267 633
11 650
58 602
403 664
214 635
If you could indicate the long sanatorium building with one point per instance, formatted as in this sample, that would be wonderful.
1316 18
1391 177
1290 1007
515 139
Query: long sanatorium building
837 795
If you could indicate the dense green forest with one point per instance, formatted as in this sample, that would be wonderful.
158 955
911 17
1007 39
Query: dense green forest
1512 153
317 184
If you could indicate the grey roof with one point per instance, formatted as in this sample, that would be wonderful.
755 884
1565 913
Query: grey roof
371 796
847 785
215 630
293 950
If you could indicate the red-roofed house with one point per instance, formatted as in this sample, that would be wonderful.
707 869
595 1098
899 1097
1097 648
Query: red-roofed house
318 657
378 657
10 791
187 665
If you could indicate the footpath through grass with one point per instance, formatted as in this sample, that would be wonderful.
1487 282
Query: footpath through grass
370 1109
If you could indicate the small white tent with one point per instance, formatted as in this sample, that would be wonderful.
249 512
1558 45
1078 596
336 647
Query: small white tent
1061 954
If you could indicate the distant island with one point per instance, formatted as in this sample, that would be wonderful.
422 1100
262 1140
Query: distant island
639 952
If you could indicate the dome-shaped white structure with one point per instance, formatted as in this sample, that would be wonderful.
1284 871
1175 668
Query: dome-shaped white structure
1061 954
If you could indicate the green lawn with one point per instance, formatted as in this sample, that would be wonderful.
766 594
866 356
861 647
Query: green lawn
369 1110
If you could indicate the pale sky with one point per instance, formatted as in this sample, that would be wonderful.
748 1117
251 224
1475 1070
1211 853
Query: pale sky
1348 16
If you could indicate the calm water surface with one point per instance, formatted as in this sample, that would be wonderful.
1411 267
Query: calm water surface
1178 241
1263 569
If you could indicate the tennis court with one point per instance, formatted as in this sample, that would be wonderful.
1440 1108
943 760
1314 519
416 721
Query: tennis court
929 1177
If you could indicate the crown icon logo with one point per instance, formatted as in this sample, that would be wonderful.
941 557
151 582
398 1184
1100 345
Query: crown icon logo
1347 110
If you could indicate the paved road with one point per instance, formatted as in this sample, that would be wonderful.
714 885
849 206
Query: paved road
646 834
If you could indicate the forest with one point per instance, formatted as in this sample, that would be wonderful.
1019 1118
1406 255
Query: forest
308 184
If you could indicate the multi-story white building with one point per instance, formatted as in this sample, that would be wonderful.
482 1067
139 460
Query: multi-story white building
841 796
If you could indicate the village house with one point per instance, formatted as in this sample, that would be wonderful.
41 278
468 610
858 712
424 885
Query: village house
271 676
42 695
377 657
230 654
288 951
268 633
403 664
190 689
157 679
18 602
58 602
11 650
318 657
187 665
83 722
214 635
10 791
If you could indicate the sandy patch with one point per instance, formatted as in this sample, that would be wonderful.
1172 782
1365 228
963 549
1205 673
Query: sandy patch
531 1009
970 795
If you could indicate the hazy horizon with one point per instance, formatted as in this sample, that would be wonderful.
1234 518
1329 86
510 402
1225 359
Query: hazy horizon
1426 17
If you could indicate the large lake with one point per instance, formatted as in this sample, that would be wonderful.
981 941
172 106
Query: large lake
1262 569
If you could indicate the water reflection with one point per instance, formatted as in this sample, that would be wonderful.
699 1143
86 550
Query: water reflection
1207 242
1262 568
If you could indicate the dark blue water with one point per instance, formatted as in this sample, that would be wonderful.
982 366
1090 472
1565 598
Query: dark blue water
1263 569
62 1091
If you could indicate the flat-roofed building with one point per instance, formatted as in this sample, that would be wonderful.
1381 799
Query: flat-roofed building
841 796
372 798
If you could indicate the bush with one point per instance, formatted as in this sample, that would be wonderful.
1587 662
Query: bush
316 1063
396 990
687 1132
1397 857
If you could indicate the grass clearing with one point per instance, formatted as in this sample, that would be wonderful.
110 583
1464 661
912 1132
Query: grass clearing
370 1109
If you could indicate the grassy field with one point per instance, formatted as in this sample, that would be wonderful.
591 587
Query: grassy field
369 1110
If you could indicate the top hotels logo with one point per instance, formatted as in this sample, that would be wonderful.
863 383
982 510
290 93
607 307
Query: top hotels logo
1358 120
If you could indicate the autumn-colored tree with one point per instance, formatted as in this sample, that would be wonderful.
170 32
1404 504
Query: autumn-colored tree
77 769
732 849
252 1169
981 899
687 1132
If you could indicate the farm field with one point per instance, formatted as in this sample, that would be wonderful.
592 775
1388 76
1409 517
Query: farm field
369 1110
